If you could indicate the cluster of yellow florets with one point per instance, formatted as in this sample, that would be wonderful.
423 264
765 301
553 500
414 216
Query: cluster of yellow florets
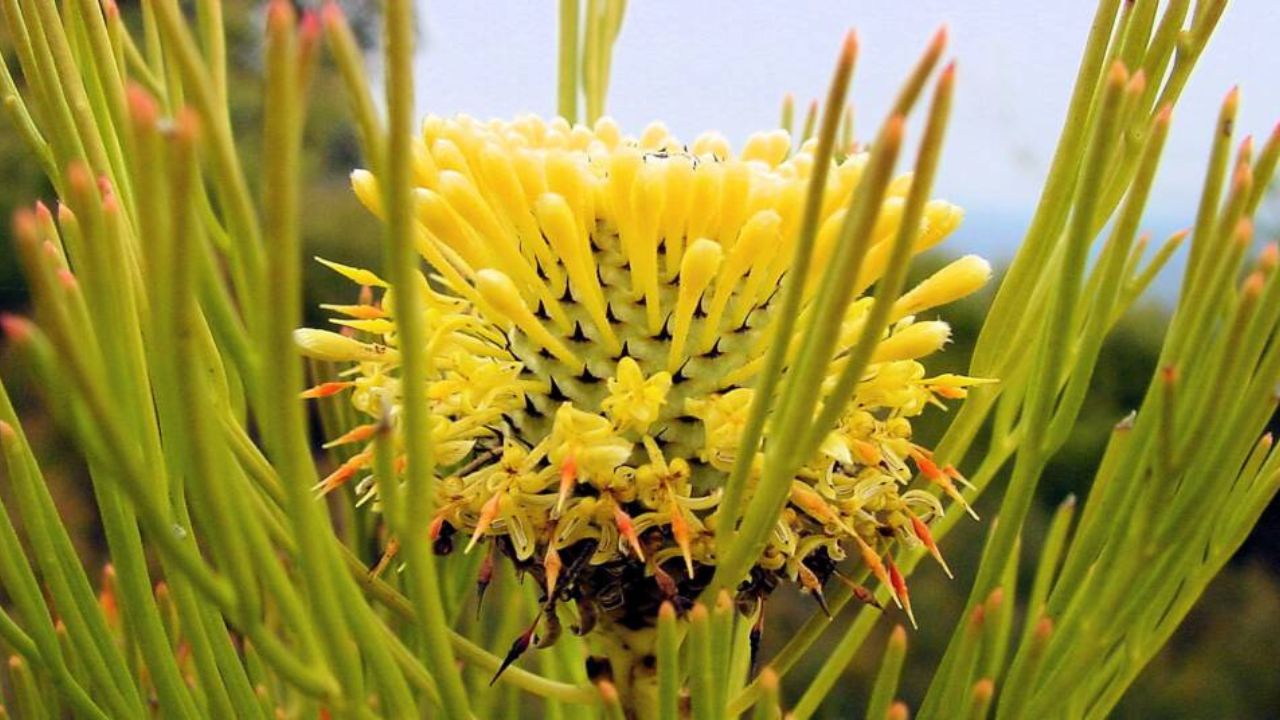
599 308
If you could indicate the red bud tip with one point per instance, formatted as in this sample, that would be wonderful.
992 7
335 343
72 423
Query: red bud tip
42 212
948 75
898 636
938 42
1118 75
849 48
310 28
978 617
111 9
984 689
1232 101
1044 628
280 16
666 611
698 613
898 711
67 279
1165 114
1137 83
1169 374
995 600
332 16
142 107
1253 285
1269 257
608 693
24 225
1244 230
16 328
187 126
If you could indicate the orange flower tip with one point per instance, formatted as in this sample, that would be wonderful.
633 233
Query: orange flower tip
895 127
42 212
16 328
110 205
983 690
67 279
1164 116
1169 374
7 433
65 215
568 476
627 529
1246 148
433 530
15 663
1266 441
324 390
552 565
487 514
898 711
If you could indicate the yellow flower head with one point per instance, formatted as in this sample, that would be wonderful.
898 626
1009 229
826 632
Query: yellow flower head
604 303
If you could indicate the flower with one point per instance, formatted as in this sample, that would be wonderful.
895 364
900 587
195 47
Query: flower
600 307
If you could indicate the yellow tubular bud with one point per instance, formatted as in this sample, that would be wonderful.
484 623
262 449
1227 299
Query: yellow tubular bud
435 214
956 280
501 294
462 197
759 232
734 193
563 232
707 180
713 144
332 347
624 165
700 265
366 188
647 199
756 148
504 184
913 341
655 136
675 211
425 172
608 132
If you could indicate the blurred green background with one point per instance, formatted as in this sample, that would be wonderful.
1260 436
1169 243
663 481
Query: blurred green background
1220 664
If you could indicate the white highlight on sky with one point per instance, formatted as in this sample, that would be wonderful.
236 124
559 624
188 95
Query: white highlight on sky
726 66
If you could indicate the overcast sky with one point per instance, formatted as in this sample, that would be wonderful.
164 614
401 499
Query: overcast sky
726 66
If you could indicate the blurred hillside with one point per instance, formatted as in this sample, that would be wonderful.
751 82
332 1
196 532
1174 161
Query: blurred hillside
1219 664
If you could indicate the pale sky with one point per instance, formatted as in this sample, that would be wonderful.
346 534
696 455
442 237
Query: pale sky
726 66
